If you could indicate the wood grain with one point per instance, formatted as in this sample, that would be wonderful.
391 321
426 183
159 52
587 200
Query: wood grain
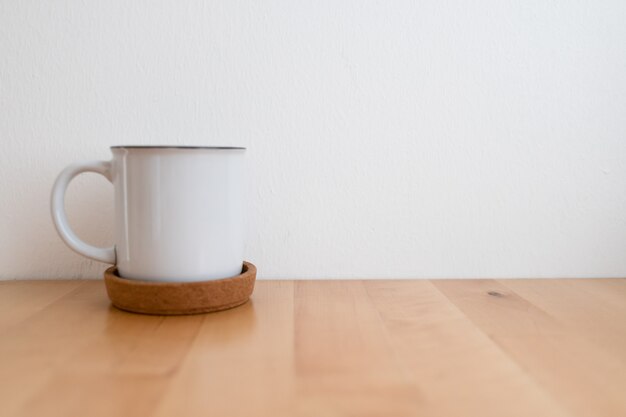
321 348
577 373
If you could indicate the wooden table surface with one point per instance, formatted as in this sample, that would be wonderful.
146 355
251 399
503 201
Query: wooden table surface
321 348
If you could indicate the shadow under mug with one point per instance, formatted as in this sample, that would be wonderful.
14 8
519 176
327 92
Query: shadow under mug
179 212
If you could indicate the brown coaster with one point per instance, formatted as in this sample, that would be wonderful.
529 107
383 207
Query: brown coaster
170 298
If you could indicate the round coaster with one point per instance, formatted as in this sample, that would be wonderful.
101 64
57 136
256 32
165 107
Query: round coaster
171 298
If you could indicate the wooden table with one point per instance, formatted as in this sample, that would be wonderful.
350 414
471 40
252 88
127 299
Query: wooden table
321 348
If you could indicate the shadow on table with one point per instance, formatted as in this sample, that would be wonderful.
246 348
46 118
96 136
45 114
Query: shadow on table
217 329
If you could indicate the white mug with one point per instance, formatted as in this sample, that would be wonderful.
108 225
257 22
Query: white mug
178 212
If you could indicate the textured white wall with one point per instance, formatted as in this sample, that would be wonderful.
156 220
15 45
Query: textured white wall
386 138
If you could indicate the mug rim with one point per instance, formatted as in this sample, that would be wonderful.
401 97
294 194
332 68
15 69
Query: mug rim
177 147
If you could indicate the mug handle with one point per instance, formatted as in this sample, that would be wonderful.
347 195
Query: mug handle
57 205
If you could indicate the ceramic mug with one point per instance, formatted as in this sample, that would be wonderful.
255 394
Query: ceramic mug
178 212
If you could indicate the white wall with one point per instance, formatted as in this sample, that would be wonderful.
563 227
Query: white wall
386 138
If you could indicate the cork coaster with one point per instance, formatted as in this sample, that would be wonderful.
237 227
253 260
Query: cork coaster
172 298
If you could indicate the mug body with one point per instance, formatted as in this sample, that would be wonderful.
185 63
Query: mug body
179 212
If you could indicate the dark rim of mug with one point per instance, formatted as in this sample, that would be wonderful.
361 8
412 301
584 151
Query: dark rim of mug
176 147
